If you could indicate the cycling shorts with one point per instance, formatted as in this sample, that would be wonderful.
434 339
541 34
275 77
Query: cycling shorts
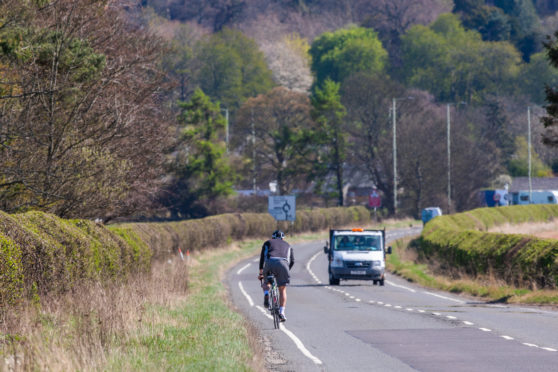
279 268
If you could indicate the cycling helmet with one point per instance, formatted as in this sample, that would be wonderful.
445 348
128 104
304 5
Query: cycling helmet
277 234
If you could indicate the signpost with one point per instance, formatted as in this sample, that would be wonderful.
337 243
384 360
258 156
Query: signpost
374 201
282 208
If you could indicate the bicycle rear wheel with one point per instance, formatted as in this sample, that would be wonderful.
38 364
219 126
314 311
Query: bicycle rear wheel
275 305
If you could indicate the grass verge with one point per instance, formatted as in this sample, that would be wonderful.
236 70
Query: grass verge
405 262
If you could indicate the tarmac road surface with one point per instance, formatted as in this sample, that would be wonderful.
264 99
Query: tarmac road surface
357 326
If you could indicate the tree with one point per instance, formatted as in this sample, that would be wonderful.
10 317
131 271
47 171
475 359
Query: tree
519 161
535 75
231 68
81 131
455 64
550 121
329 112
367 100
337 55
281 122
392 18
199 165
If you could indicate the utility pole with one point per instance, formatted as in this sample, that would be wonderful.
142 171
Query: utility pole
253 153
394 156
529 150
449 156
227 129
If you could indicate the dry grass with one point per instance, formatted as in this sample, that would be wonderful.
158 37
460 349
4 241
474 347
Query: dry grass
76 331
539 229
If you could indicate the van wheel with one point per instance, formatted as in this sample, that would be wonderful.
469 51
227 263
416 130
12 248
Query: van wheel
333 280
381 282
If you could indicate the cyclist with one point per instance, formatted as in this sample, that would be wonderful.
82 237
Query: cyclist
276 257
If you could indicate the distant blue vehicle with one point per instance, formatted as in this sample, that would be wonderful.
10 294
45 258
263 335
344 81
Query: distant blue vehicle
429 213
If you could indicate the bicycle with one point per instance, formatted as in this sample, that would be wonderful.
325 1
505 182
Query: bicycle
274 300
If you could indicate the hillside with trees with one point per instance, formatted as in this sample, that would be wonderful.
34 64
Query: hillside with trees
163 108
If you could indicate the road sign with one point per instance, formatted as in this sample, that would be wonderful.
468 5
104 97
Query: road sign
374 200
282 208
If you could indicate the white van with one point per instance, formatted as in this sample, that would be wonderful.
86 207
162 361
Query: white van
356 254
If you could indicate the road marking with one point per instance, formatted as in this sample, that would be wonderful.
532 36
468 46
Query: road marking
401 286
293 337
387 305
485 329
357 300
380 303
245 294
371 301
421 311
409 309
450 317
437 314
530 345
301 346
507 337
548 349
398 307
468 323
242 269
444 297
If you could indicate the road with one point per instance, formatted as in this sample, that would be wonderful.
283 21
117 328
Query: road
357 326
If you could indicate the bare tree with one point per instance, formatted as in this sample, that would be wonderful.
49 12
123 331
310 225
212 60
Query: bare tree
82 125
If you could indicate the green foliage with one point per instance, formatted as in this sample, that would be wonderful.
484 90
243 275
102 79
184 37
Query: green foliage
337 55
460 240
11 272
200 168
232 68
518 165
455 64
535 76
41 253
506 20
329 113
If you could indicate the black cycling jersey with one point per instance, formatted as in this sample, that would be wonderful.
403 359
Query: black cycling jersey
279 249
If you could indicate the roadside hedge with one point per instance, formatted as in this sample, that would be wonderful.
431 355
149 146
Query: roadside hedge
167 237
462 241
41 253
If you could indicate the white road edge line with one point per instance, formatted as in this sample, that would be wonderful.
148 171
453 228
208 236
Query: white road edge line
401 286
243 268
444 297
301 346
295 339
245 294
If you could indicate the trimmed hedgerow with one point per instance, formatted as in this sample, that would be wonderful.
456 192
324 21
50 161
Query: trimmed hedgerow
49 254
41 253
461 241
167 237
